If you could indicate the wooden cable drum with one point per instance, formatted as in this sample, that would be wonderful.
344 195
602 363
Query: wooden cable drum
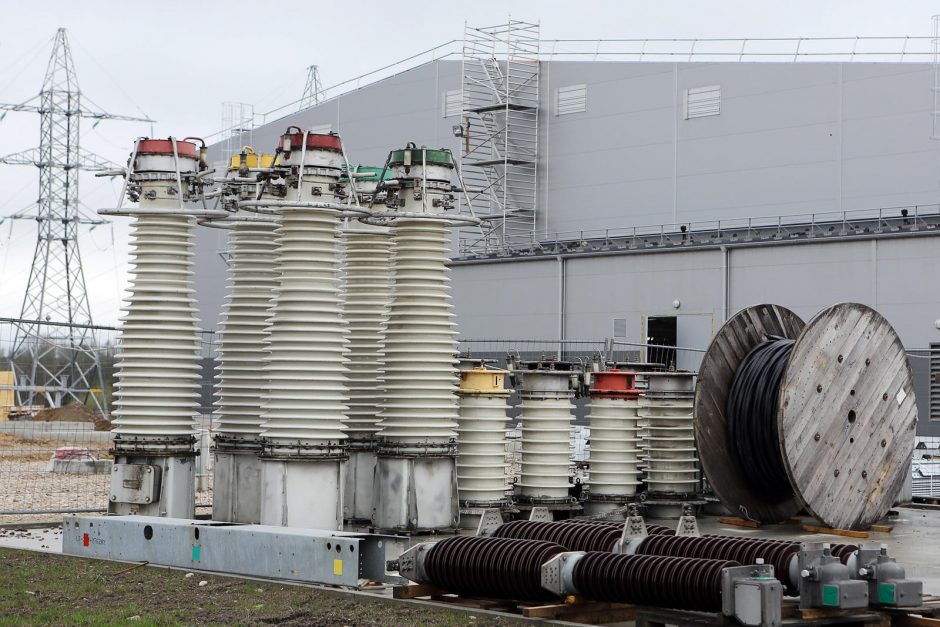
843 418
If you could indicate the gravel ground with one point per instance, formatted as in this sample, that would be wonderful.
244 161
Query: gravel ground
27 485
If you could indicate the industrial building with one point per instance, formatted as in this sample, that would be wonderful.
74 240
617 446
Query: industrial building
655 175
725 268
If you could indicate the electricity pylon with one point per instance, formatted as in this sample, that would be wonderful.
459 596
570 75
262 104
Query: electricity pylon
55 351
313 89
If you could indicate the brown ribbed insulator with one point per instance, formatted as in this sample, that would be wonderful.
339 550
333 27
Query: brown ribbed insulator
675 582
587 536
491 567
843 551
742 550
653 530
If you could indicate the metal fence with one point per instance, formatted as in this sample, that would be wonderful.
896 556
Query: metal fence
608 350
58 461
54 461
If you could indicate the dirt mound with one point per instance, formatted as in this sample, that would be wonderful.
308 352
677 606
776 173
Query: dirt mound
73 412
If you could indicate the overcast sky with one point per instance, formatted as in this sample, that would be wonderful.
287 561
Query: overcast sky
177 61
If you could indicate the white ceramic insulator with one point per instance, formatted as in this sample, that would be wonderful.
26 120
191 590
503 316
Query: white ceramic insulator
546 429
252 278
368 294
615 446
481 448
306 386
420 376
672 464
157 387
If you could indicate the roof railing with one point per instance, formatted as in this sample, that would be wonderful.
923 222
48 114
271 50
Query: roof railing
755 49
791 227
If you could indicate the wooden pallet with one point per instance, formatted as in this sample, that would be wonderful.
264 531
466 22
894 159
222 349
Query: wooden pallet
791 614
584 611
572 609
848 533
753 524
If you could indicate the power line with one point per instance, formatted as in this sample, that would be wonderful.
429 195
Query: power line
55 317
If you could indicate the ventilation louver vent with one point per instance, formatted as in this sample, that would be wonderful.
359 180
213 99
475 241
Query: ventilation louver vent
702 101
571 99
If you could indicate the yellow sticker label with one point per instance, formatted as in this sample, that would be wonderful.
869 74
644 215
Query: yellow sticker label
338 567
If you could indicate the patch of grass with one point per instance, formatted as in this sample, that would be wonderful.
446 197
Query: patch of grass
43 589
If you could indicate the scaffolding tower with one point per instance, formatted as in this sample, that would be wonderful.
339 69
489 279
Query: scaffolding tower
55 353
238 128
499 131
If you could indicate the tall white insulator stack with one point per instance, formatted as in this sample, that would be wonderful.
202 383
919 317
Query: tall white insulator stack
416 483
546 429
672 467
368 264
252 278
303 443
157 389
481 443
615 440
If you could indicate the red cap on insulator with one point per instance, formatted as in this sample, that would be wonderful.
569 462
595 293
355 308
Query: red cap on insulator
293 138
165 147
614 384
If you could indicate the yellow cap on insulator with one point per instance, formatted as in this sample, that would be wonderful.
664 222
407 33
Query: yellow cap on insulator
483 381
248 158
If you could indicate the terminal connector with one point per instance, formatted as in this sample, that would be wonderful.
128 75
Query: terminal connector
887 585
825 582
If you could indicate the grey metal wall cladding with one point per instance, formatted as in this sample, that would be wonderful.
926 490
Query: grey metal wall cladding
789 138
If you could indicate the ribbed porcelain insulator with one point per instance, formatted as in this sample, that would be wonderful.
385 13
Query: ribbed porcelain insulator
157 387
252 278
481 448
672 464
546 428
306 387
420 377
615 439
368 294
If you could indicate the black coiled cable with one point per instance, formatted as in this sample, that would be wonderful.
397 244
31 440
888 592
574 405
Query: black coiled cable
752 418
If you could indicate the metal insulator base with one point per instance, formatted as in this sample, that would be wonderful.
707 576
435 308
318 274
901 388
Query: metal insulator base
600 508
157 389
367 278
467 566
415 494
546 428
174 486
236 487
304 403
420 380
481 448
360 479
302 493
615 440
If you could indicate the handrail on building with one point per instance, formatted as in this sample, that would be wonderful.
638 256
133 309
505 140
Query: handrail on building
733 230
768 49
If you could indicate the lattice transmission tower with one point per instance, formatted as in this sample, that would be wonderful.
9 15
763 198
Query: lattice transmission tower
55 353
313 89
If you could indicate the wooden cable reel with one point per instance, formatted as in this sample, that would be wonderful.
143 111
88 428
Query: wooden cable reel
846 414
